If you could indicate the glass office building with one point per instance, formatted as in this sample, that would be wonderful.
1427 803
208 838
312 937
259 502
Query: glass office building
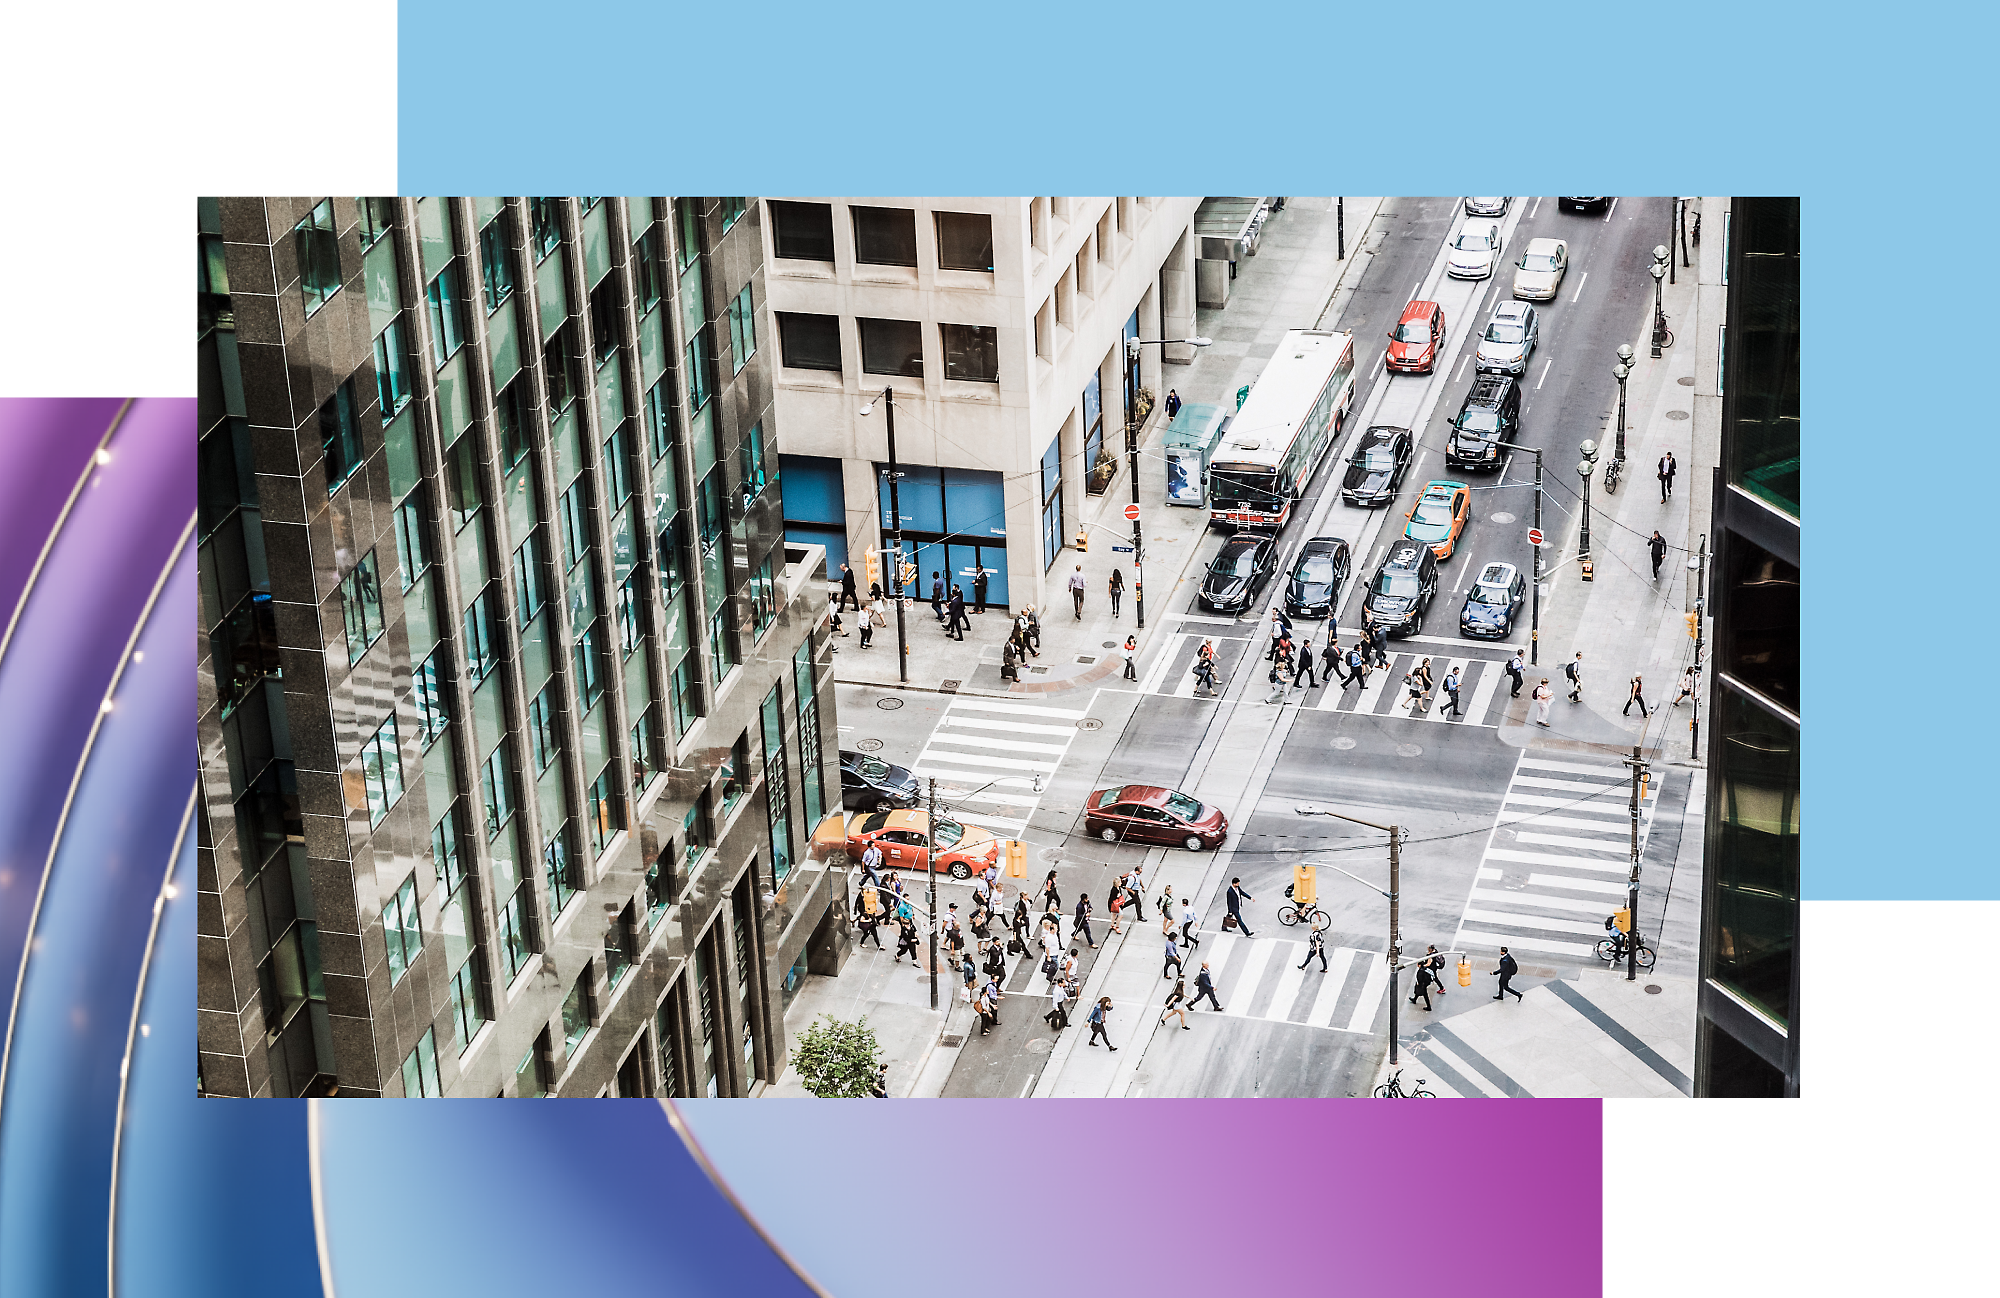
1748 1040
513 695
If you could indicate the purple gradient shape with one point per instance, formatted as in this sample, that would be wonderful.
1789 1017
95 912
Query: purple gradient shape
1493 1197
45 442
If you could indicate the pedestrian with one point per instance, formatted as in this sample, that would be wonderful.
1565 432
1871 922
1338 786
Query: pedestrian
1515 665
1010 664
1097 1012
969 971
991 991
906 940
937 594
985 1013
1076 590
1172 968
1687 687
1135 891
1166 905
1019 922
1658 545
1637 697
1543 696
1304 666
1083 919
1204 988
1357 667
956 625
878 617
1175 1000
1188 924
870 925
1315 946
847 594
1236 897
979 591
1058 1015
1424 980
1419 681
1505 973
1436 962
1067 968
1034 622
1450 693
1281 659
1204 673
1132 657
995 964
1052 898
1281 626
1117 588
1378 641
1116 905
879 1088
1573 669
1667 471
871 862
1173 403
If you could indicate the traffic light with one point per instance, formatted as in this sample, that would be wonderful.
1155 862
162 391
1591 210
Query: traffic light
1621 919
1017 859
909 575
1694 624
1302 885
1464 972
1082 540
1645 785
874 568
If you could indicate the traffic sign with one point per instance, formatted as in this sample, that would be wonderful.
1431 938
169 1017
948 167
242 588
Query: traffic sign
1132 512
1122 549
1534 536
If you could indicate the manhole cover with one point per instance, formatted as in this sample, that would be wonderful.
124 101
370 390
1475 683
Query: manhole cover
1110 644
1409 750
1685 380
889 704
951 1039
1050 856
1677 414
1086 659
1090 723
1039 671
1343 743
1501 518
947 687
1652 989
869 745
1039 1046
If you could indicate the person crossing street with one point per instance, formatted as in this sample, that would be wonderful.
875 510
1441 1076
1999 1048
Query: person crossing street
1514 669
1176 999
1305 665
1636 697
1451 694
1204 989
1658 546
1172 968
1097 1013
1687 687
1315 946
1505 973
1424 980
1237 896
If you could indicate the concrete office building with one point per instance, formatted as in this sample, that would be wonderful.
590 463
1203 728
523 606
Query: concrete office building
513 699
1747 1043
1000 325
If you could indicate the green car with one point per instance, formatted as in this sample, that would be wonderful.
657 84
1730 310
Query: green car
1440 515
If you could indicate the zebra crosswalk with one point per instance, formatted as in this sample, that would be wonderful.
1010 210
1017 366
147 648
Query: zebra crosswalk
1484 688
1558 858
1260 978
991 758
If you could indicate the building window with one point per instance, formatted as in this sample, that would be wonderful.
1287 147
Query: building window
694 829
1755 850
712 519
429 683
648 279
666 1039
496 785
400 930
1760 441
447 298
510 413
413 545
544 733
468 1001
392 382
382 770
965 241
481 647
742 329
732 211
464 484
339 437
660 885
530 1077
607 316
735 774
704 988
420 1069
701 368
687 215
809 749
660 421
576 1012
606 809
556 357
763 597
361 607
447 850
892 347
645 751
514 932
809 342
630 632
618 464
562 870
745 952
721 647
777 790
319 255
972 352
377 215
589 665
1759 643
573 512
1052 520
686 704
885 236
494 263
545 217
617 949
246 649
529 596
802 231
754 463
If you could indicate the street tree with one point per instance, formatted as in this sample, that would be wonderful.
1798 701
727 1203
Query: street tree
836 1059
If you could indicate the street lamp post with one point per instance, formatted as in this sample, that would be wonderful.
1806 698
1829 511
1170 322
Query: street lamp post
1583 468
1659 272
896 558
1535 613
1395 954
1621 371
1132 346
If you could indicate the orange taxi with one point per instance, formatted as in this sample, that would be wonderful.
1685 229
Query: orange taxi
905 840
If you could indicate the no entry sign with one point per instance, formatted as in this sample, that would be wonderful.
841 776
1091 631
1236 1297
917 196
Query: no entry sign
1132 512
1534 536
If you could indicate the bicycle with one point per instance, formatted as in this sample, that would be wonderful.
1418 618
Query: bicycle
1312 916
1393 1089
1612 949
1611 472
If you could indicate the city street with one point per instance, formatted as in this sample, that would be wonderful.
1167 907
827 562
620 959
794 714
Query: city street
1511 835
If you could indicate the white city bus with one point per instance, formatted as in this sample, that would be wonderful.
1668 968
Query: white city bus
1293 416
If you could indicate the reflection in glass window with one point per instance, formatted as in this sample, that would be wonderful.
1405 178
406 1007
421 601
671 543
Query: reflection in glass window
965 241
576 1011
318 247
1756 853
382 770
392 382
420 1069
446 296
742 329
494 262
361 607
400 930
562 869
339 437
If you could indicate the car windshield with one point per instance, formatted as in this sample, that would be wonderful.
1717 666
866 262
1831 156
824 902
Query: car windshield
1414 331
1316 567
1378 457
1109 796
1538 261
1469 242
1478 421
1432 513
1396 583
1180 804
949 832
1489 594
874 822
872 768
1505 333
1241 563
1256 489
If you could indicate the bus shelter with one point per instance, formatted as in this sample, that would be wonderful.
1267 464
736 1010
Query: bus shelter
1190 444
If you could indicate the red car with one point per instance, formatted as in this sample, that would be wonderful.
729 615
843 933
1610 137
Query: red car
1145 813
1417 339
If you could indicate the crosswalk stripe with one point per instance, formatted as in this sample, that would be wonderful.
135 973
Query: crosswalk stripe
1576 786
1589 844
1524 898
1218 947
1575 768
997 745
962 703
1290 977
1563 822
1578 885
1363 1019
1550 858
1568 804
1333 983
1470 938
1541 922
1011 826
1253 972
925 770
1490 677
997 763
959 719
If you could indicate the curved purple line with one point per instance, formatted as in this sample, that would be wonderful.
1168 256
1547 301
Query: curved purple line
700 1156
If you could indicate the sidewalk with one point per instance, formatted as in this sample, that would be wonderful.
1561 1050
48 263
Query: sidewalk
1293 282
896 1000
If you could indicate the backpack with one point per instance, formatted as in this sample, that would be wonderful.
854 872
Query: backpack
1569 670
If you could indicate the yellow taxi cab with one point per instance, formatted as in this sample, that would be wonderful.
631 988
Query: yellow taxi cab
905 840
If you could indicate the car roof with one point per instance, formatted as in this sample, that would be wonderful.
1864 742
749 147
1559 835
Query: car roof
1406 554
1490 387
1418 310
1543 245
1325 542
1383 433
1144 795
1444 486
1497 574
1247 539
1512 310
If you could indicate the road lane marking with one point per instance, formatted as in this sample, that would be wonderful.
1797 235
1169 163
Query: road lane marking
1466 937
1579 287
1290 979
1550 858
1609 210
1608 772
1334 982
1371 995
1461 367
1537 899
1575 885
1012 727
1542 922
1545 373
1536 208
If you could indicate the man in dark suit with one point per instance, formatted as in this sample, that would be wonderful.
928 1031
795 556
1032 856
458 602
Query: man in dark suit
1506 973
937 595
1236 899
955 623
979 592
847 595
1204 986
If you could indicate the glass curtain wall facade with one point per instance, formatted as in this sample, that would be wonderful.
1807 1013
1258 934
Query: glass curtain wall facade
494 577
1748 1039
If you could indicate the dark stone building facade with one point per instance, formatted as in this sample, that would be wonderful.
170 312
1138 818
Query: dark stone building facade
514 704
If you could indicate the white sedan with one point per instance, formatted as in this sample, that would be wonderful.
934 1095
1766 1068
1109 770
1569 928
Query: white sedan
1474 251
1540 273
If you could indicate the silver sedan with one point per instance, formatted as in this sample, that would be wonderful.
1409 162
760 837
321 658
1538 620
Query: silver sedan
1509 339
1487 206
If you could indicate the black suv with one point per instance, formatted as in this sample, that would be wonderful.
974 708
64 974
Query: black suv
1402 589
1491 415
871 784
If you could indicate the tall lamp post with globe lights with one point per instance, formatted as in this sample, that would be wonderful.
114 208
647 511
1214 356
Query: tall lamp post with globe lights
1658 272
1583 468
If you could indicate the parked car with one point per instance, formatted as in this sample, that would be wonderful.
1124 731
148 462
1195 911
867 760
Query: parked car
1539 274
1317 577
1146 813
1491 415
1493 602
1487 206
1509 339
1440 515
1381 457
1238 571
871 784
905 840
1402 589
1417 339
1474 252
